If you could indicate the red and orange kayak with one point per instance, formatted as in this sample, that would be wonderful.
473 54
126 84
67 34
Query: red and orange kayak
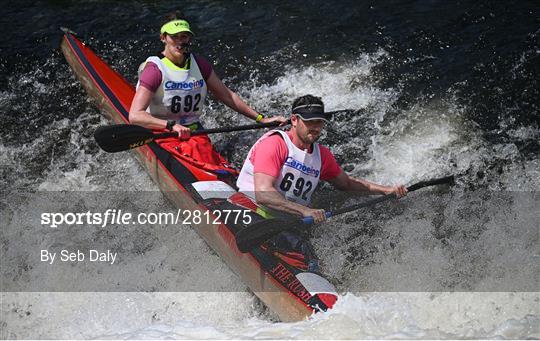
278 278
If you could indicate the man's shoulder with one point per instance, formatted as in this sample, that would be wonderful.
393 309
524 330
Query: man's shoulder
274 140
270 146
275 137
325 151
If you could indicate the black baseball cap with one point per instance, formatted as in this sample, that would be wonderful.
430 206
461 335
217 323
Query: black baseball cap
310 112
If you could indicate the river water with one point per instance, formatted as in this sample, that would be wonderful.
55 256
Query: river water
431 88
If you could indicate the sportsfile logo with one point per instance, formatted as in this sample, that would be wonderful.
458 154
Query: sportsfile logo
290 162
170 85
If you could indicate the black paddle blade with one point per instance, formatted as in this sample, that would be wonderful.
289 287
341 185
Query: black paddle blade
120 137
259 232
440 181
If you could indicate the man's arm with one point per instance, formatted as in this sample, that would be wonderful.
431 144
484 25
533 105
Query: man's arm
345 182
267 195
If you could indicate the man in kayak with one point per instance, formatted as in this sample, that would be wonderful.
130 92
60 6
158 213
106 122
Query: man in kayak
282 169
172 88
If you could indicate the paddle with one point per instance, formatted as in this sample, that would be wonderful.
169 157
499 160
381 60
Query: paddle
342 110
259 232
120 137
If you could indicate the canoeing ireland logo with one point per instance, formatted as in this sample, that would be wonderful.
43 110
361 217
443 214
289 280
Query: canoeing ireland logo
290 162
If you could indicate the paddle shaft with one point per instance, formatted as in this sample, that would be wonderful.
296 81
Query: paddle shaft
412 188
237 128
120 137
218 130
258 233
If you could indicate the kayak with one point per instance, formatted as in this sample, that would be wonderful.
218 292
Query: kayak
280 278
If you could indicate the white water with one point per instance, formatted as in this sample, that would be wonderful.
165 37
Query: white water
231 316
417 144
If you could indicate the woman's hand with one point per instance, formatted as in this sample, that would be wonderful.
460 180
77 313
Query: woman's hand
184 133
282 120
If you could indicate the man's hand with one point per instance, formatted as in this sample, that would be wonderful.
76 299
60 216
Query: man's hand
318 214
399 191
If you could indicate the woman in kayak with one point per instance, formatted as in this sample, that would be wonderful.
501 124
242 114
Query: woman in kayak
171 92
172 87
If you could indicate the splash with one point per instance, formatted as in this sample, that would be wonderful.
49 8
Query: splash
374 140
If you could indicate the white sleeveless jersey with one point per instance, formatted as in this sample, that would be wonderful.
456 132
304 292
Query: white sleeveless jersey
299 174
181 94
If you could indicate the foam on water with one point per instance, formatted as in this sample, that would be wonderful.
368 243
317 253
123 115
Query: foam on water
121 315
230 316
342 85
430 139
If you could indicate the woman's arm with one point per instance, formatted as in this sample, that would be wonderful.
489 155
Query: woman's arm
139 116
233 101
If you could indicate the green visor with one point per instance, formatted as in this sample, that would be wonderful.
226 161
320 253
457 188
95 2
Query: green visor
176 26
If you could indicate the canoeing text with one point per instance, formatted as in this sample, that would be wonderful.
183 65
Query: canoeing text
291 162
170 85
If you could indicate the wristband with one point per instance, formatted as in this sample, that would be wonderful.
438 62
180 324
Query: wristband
170 124
259 118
